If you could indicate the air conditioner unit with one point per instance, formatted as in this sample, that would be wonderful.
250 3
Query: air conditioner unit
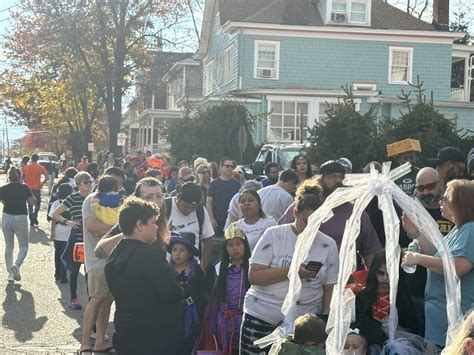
266 73
338 17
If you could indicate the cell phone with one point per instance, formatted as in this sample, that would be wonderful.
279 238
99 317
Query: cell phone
314 266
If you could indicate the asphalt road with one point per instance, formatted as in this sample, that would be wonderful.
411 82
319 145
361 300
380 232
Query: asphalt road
34 313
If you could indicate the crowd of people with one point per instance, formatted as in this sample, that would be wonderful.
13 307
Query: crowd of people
196 255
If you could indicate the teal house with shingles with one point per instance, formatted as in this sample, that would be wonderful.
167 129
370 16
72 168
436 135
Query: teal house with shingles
290 58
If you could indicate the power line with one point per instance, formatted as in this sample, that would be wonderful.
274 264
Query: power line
11 7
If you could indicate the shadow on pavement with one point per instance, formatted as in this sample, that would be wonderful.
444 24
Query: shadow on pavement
37 235
20 314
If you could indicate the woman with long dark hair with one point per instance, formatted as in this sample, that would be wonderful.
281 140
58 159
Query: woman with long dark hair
254 222
373 303
302 165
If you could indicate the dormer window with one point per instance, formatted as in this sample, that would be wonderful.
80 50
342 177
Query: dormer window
338 11
350 12
359 12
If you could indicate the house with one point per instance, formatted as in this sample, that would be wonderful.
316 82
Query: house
161 96
290 58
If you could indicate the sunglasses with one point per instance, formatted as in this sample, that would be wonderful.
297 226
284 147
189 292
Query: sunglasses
87 182
430 186
205 172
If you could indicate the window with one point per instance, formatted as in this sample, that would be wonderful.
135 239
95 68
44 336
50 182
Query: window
358 12
228 64
285 123
400 65
209 78
338 11
267 57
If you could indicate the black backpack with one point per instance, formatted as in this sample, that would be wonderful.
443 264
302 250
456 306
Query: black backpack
199 214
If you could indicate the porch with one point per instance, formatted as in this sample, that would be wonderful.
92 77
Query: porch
462 73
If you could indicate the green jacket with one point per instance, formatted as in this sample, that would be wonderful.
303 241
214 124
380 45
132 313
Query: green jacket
288 347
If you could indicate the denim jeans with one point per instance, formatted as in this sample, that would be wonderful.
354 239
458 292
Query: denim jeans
33 210
15 225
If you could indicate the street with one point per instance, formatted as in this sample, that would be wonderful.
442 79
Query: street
35 314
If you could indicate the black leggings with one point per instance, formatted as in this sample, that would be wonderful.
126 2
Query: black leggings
73 280
253 329
59 268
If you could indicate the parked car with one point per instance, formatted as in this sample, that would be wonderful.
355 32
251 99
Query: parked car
281 153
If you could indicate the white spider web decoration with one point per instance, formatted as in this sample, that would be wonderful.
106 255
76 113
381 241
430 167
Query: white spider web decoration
360 189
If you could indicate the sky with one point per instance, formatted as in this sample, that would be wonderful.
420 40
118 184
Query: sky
14 132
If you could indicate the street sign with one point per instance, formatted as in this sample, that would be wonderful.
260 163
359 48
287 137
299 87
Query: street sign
121 138
90 147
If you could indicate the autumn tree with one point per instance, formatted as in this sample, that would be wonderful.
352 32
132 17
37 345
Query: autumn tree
109 39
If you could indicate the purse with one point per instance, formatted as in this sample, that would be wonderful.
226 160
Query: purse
78 252
210 342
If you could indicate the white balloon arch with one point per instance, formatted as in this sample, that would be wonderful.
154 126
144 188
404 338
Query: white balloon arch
360 189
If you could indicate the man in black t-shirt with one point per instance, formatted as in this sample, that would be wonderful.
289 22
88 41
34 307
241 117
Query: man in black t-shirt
428 190
219 194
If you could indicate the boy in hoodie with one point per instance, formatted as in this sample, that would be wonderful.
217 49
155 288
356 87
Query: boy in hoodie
147 296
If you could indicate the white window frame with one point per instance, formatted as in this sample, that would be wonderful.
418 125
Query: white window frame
258 43
345 12
228 64
295 114
209 78
409 50
348 12
366 11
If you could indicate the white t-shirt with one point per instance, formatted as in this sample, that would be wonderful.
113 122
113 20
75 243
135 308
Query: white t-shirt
61 231
177 222
256 230
275 249
275 201
234 209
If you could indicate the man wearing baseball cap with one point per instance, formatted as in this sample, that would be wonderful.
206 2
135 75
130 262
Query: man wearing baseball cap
450 164
186 214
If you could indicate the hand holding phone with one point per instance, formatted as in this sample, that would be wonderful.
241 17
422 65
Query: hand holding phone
314 266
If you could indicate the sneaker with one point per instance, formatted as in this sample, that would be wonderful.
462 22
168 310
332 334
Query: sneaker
10 277
75 304
16 273
36 221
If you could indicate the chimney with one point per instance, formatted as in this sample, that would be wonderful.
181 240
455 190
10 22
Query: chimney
441 15
296 12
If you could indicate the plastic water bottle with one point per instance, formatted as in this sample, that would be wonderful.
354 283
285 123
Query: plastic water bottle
414 247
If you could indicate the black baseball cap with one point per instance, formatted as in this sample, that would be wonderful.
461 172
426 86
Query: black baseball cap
331 167
190 193
448 154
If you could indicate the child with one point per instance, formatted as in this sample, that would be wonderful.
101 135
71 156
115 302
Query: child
60 232
356 344
191 277
107 202
373 303
224 313
309 337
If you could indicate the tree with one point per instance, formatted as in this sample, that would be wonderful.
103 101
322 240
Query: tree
345 132
423 122
213 133
109 39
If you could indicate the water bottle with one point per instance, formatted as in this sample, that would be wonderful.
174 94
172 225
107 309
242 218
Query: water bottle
414 247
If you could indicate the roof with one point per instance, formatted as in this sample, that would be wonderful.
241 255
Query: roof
384 15
162 62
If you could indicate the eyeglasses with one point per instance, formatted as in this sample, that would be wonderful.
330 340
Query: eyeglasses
430 186
88 182
228 166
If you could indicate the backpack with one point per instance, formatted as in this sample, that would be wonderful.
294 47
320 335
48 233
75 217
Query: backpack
199 214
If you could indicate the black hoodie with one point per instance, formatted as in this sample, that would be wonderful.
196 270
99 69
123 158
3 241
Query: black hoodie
146 293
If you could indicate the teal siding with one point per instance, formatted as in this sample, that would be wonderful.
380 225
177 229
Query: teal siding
219 42
329 63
